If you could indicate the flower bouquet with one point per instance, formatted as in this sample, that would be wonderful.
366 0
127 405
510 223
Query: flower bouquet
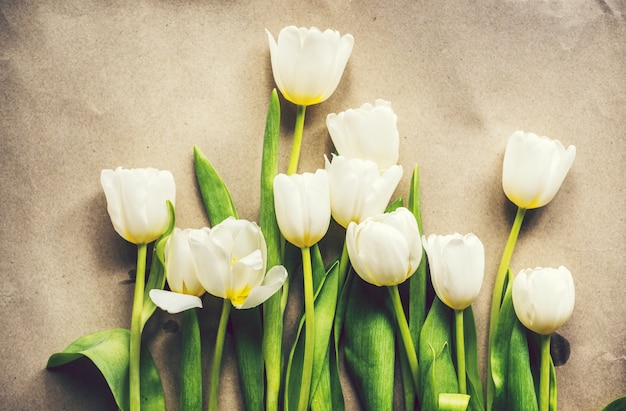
390 302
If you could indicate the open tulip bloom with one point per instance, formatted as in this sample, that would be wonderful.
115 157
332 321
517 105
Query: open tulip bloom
543 299
307 65
369 132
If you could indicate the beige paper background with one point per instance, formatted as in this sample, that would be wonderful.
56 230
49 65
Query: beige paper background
93 84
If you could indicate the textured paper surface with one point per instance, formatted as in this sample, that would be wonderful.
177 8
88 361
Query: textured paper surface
92 85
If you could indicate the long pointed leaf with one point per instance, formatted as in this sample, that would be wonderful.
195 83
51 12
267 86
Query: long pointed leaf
437 372
369 350
191 363
109 352
272 311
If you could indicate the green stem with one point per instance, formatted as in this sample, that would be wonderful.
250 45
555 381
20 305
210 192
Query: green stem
191 363
297 141
309 321
135 329
460 351
405 333
498 288
217 356
544 376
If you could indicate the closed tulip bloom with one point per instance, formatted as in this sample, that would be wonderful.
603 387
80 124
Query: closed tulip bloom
302 203
231 261
137 201
358 189
307 63
457 267
543 298
181 270
534 169
369 132
385 250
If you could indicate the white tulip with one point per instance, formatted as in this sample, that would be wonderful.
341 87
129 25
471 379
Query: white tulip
369 132
307 63
231 261
137 201
534 169
358 189
457 267
302 205
385 250
543 298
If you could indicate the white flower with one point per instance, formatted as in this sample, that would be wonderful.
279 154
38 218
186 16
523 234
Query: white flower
302 205
369 132
534 169
307 63
385 250
137 201
457 267
543 298
358 189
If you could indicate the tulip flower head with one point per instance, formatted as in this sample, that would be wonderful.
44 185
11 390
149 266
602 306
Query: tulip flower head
534 169
230 261
457 267
307 63
137 201
358 189
385 250
543 298
181 270
302 203
369 132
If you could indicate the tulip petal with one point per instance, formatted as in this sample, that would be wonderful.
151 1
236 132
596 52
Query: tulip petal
174 302
274 279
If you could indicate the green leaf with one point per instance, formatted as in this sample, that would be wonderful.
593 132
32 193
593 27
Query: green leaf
325 286
395 204
215 196
617 405
437 372
272 310
474 386
369 350
156 279
191 363
510 361
109 352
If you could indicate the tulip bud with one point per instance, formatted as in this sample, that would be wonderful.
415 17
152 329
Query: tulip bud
180 265
358 189
137 202
385 250
457 267
543 298
369 132
307 63
534 169
302 205
231 261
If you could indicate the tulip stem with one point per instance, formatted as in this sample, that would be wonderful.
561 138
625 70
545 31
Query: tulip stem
309 321
343 266
460 351
405 333
544 376
498 289
297 141
217 356
135 329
